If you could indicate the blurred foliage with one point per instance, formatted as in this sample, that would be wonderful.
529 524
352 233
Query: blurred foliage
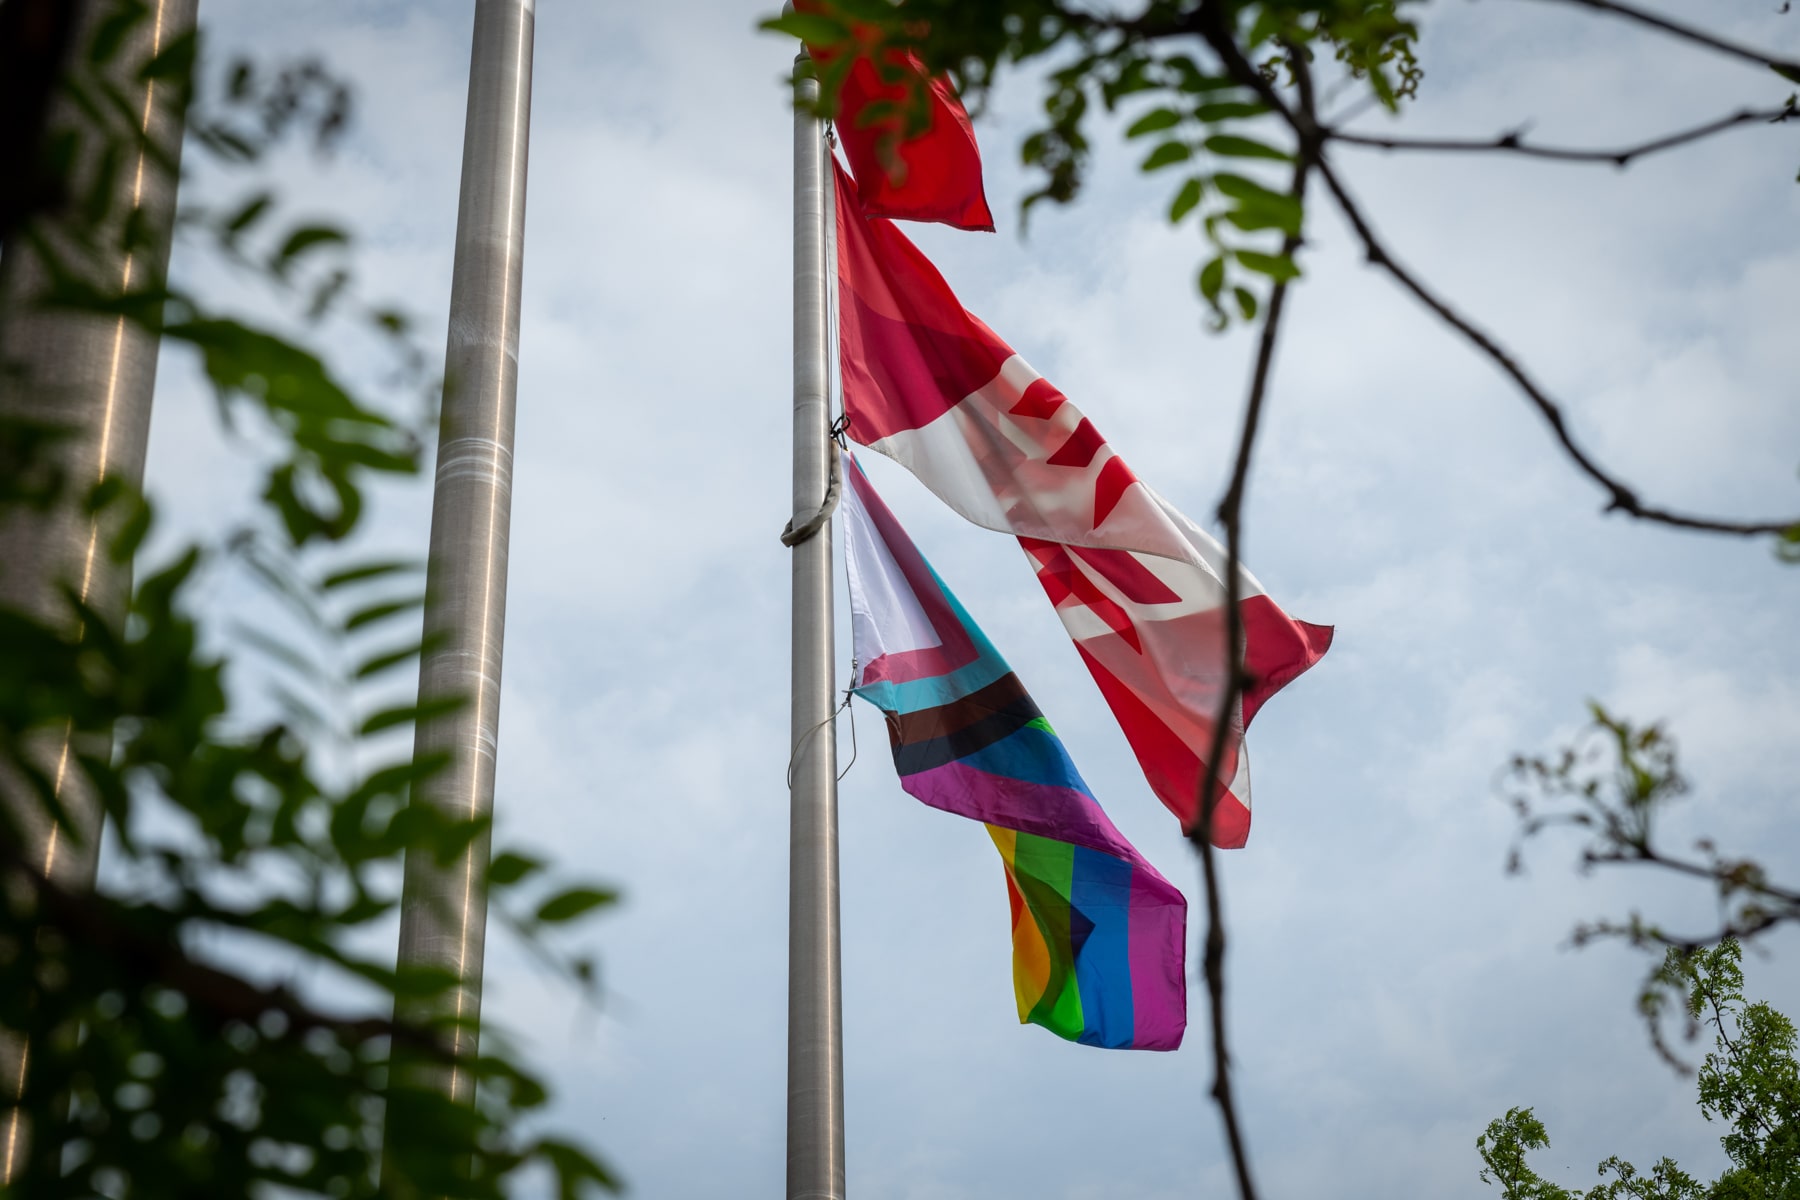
218 1020
1750 1081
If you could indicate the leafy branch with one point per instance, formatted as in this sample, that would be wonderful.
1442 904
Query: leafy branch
1612 785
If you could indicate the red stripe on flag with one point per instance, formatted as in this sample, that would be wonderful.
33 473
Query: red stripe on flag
1041 400
1115 477
1277 648
1123 570
1170 765
1081 447
1065 582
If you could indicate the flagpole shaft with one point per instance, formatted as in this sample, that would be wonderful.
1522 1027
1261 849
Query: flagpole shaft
443 916
95 376
815 1081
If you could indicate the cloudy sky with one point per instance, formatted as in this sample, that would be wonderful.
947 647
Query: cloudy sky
1392 989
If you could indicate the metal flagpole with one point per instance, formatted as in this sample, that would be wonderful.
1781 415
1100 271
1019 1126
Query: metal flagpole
443 917
815 1083
93 375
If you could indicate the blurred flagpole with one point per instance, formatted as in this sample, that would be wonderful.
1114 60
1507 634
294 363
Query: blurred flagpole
443 915
95 376
815 1080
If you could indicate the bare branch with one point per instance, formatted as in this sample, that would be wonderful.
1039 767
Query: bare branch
1787 67
1514 141
1620 498
1230 512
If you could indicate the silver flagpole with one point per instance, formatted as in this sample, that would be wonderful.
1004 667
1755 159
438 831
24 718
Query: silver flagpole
443 916
815 1083
93 375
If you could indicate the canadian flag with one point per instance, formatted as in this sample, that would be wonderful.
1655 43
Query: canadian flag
1138 585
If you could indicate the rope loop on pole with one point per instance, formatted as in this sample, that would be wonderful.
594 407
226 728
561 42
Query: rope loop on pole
792 535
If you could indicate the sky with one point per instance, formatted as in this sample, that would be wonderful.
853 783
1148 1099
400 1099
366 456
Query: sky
1391 987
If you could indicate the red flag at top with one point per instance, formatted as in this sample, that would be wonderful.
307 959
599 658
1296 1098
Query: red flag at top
934 176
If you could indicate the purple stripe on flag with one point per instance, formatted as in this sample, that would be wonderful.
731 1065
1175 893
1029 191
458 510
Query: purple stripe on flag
1058 813
1158 945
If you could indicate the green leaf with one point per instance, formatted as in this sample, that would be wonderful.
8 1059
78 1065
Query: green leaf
1258 207
574 1170
409 714
1240 188
1787 71
1228 145
812 28
1186 199
226 143
1229 110
132 530
1154 121
111 30
381 611
1246 300
509 868
1167 154
566 906
246 216
289 656
1212 278
174 61
375 664
1266 25
1278 267
368 571
302 240
391 321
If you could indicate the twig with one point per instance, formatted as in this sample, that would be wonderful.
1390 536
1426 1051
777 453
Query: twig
1687 33
1620 498
1514 142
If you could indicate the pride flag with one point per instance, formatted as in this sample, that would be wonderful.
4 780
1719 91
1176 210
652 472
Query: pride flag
1099 938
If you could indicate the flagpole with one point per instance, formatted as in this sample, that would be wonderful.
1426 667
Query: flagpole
815 1078
443 914
95 376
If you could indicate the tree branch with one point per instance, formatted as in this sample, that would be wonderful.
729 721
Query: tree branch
1230 513
1620 497
1787 67
1514 141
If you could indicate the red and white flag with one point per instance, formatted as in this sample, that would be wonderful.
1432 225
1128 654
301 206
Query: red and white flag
1138 586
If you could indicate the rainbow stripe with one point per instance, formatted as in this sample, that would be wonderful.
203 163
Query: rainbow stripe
1099 937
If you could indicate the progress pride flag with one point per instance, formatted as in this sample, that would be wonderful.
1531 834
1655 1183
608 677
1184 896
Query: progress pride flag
1138 586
